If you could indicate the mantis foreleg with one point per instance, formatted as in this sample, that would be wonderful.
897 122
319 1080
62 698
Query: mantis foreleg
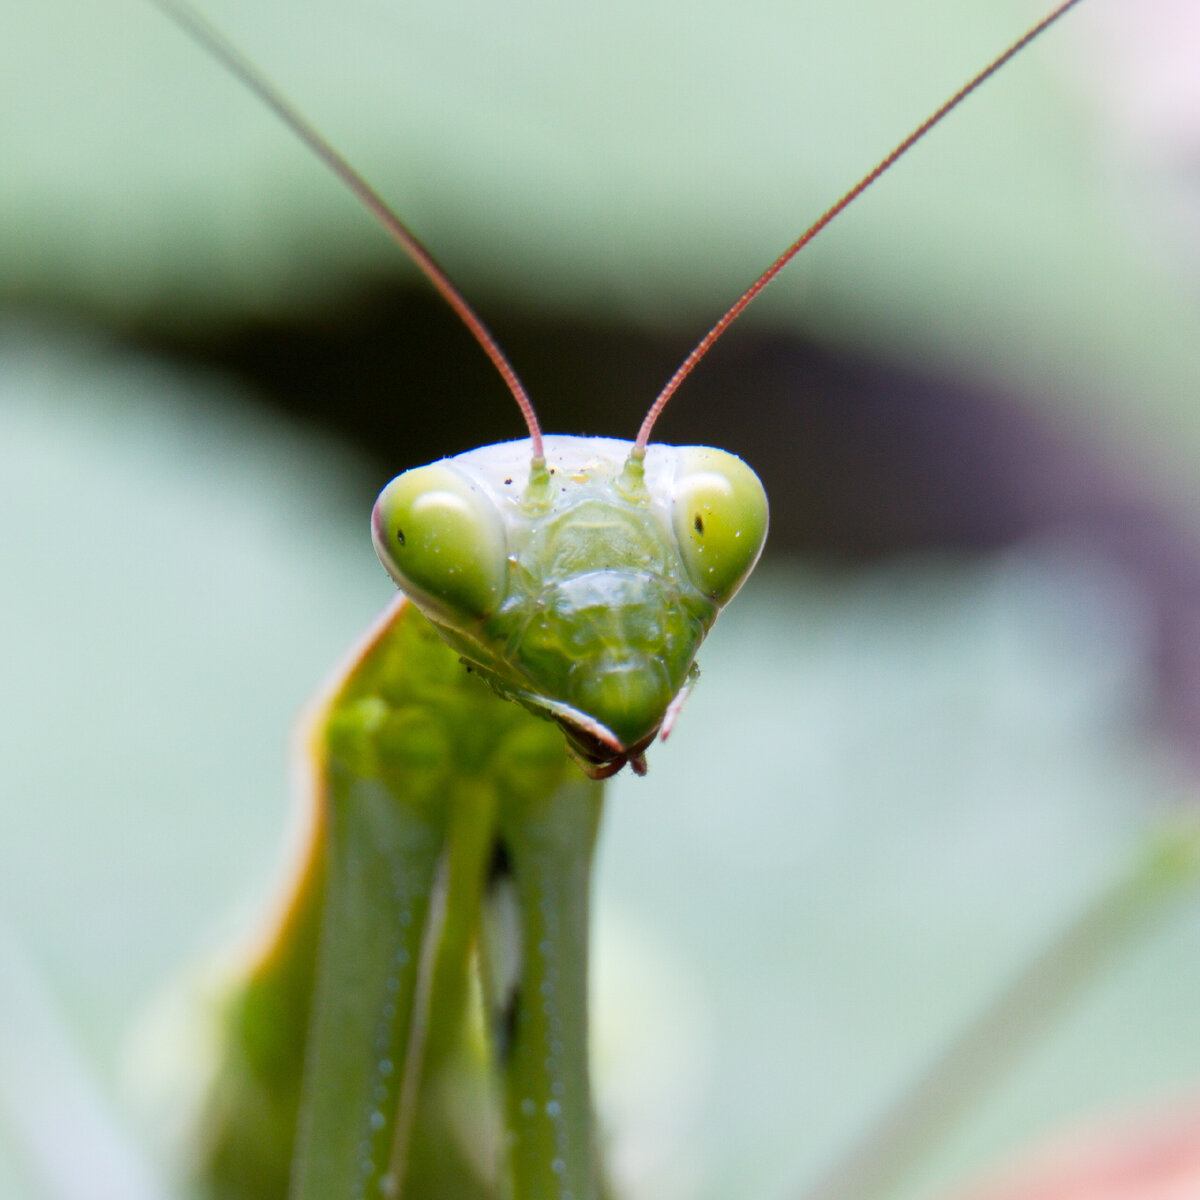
422 772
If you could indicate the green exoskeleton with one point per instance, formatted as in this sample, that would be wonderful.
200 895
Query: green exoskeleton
580 585
437 928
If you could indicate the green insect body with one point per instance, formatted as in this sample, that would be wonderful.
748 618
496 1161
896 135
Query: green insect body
425 794
583 586
577 577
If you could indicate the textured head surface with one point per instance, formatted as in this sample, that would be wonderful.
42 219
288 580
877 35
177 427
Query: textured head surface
582 590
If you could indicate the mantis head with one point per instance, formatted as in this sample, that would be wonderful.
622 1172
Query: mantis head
582 586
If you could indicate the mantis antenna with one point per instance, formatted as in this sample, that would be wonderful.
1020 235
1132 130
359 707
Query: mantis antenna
706 342
228 55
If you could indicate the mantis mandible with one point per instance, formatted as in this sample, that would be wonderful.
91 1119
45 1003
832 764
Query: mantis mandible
443 899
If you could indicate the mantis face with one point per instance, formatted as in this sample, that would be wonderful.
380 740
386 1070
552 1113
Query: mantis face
582 588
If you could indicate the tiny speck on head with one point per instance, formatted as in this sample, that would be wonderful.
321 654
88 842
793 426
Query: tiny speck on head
400 536
698 524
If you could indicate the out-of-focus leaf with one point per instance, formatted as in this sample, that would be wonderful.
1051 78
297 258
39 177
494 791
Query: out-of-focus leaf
635 160
889 789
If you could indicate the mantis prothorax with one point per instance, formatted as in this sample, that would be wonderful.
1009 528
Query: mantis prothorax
577 577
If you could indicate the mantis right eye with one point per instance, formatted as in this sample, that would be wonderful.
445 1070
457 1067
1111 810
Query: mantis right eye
440 538
720 517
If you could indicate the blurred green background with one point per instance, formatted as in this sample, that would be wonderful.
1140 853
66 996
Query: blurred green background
935 727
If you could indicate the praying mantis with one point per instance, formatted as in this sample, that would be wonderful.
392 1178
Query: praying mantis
443 899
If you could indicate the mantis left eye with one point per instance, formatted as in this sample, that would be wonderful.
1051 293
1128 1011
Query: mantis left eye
442 541
719 512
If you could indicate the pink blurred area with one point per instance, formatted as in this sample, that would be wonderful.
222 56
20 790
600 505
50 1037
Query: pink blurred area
1138 66
1142 68
1150 1157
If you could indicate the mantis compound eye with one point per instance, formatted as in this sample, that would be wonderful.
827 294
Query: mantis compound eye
440 538
719 512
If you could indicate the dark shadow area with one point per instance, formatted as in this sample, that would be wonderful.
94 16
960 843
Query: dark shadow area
861 459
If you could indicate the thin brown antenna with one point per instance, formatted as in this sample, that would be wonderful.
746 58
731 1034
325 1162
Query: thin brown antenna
706 343
230 57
